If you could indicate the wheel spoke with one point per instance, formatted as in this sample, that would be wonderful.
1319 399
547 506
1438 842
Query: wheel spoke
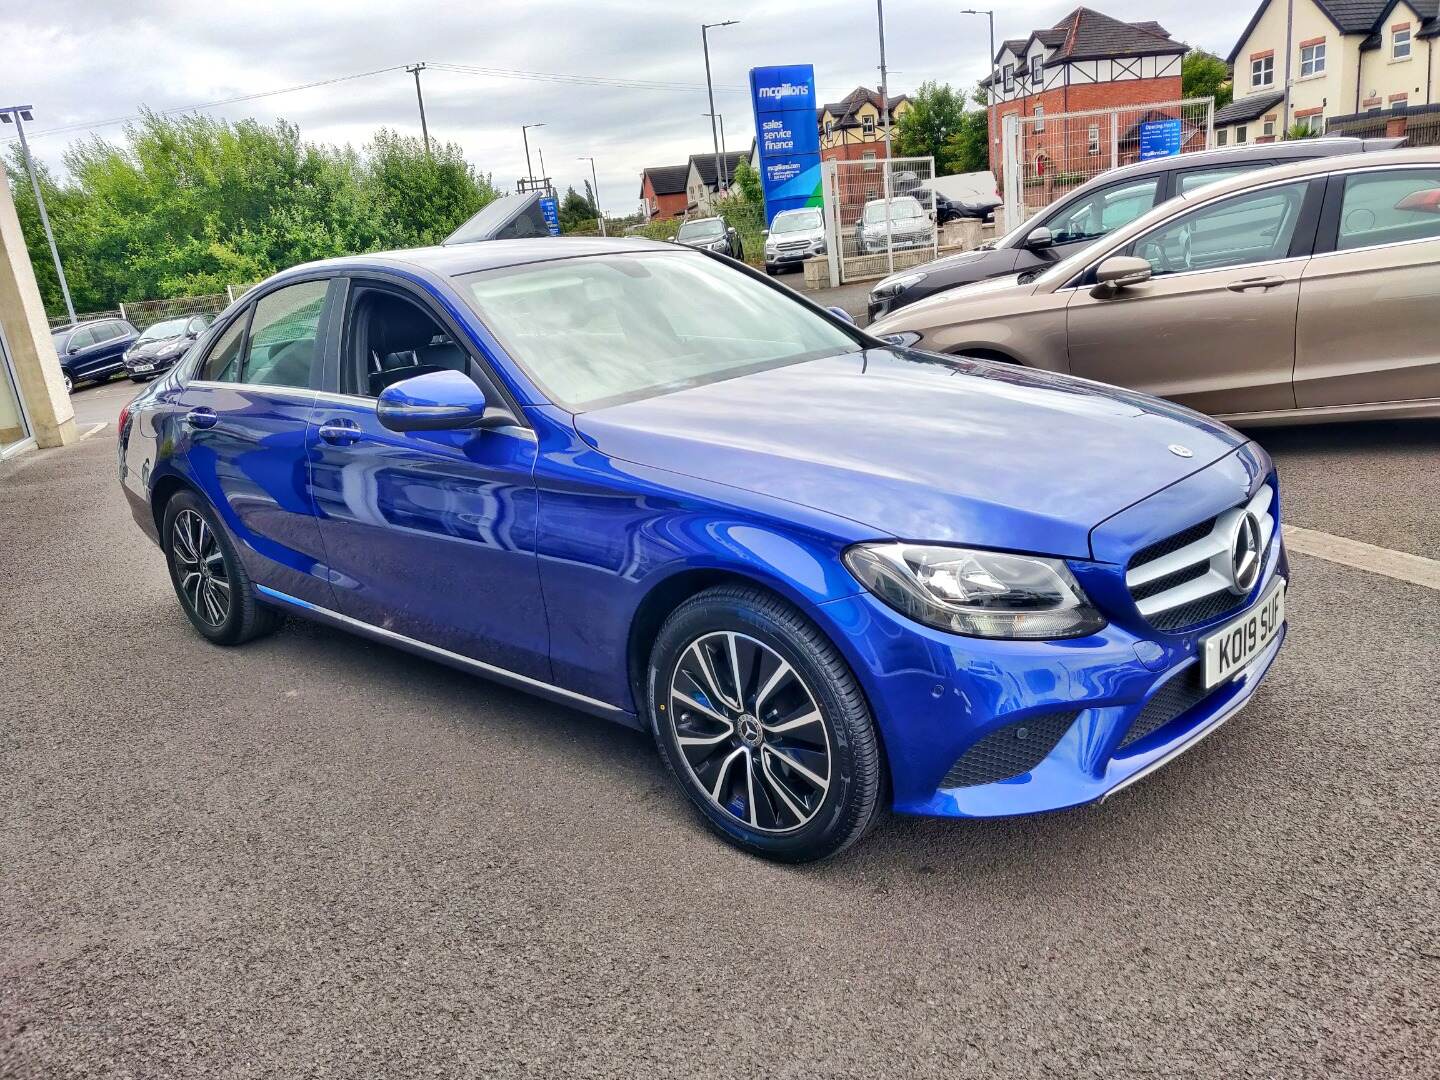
750 789
774 784
770 684
711 684
705 740
738 752
811 717
183 548
819 781
690 701
735 671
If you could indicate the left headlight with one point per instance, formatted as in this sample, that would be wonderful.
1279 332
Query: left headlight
894 286
986 594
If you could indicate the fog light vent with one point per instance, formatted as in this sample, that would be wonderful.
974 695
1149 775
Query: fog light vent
1009 751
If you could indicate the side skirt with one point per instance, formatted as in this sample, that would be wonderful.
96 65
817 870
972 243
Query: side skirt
294 605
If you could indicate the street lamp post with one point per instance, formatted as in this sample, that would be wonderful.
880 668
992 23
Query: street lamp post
990 62
17 114
525 137
721 118
705 28
595 190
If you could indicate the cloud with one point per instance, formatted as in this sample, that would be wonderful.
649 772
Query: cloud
84 62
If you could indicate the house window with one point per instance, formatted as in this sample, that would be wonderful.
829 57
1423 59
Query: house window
1222 137
869 158
1239 134
1093 135
1262 71
1315 123
1008 73
1400 43
1039 117
1269 127
1312 60
867 125
829 127
1037 69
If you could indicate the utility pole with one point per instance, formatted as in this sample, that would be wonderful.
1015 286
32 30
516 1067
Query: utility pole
721 117
17 114
524 135
705 28
595 190
424 130
885 125
989 63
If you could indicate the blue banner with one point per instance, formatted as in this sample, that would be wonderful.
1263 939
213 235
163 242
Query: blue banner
787 136
1159 138
551 209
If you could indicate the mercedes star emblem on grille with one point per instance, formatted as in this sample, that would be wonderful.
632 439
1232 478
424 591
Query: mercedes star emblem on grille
1245 553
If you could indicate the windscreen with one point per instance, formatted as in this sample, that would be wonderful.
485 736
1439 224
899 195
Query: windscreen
796 221
167 329
701 230
900 209
612 328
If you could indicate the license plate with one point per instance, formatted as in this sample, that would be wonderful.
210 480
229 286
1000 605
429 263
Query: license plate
144 367
1234 645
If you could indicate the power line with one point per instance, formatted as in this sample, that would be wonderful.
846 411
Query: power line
88 125
584 80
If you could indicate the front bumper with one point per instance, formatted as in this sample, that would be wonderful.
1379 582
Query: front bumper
1115 705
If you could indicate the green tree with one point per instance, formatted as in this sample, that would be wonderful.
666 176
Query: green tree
935 116
1302 131
577 212
968 148
1203 74
747 182
190 204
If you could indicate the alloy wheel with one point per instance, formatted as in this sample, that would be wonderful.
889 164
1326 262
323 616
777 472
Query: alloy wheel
69 383
200 568
750 732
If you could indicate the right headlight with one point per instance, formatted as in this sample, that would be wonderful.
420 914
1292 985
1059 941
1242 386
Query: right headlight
894 286
987 594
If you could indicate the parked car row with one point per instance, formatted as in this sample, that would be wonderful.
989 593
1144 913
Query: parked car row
98 349
1300 292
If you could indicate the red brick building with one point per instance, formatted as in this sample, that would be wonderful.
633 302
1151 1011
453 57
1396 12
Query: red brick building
662 188
1085 61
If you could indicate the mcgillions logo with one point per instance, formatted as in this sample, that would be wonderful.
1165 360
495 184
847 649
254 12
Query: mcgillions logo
784 90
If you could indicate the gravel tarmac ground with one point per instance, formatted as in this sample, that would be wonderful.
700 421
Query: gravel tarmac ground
313 856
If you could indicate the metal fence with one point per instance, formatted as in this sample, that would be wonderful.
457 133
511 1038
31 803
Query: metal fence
1045 156
879 216
143 313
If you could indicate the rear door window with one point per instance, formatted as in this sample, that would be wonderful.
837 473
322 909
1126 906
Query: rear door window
1389 207
284 336
222 363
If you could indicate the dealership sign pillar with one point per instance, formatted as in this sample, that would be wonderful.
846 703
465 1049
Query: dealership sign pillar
786 136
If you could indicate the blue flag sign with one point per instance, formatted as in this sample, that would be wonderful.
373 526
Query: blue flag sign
1159 138
786 136
551 209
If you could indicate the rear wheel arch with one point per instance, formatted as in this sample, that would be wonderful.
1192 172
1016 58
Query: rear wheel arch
996 355
165 489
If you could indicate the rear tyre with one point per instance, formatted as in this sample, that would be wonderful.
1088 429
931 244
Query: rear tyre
214 590
69 382
763 726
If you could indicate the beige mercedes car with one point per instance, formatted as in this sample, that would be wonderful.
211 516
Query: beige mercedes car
1298 294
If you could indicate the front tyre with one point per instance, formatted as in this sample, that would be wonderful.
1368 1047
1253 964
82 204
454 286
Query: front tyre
211 583
763 726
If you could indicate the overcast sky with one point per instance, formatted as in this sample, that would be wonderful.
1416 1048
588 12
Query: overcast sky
82 62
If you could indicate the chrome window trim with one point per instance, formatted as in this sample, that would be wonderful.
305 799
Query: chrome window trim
1373 247
457 659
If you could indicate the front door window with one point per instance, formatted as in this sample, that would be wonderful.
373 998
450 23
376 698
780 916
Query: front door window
1255 227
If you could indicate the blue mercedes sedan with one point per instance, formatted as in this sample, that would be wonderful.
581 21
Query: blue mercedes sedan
829 574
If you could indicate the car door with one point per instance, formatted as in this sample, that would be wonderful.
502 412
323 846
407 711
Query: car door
78 350
105 354
429 534
1214 327
1086 219
1368 300
246 417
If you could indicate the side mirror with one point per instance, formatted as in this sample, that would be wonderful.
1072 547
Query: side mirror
841 314
1039 239
764 232
1121 271
437 401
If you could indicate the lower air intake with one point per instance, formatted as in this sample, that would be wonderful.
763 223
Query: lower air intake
1178 696
1011 751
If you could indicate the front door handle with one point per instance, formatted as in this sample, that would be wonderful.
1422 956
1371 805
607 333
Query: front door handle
201 418
1255 283
339 432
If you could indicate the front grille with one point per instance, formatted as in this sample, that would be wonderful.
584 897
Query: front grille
1184 580
1176 697
1010 751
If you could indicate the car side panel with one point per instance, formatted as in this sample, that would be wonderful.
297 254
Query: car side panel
252 466
1366 330
1034 336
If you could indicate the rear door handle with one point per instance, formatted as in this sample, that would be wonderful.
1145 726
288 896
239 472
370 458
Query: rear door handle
1255 283
339 432
201 418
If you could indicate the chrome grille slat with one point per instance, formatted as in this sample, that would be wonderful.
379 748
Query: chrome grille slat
1196 596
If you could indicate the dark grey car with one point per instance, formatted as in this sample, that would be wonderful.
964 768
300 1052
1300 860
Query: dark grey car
1108 202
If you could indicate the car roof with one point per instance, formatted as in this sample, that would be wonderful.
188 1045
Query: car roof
57 330
454 259
1314 166
1290 148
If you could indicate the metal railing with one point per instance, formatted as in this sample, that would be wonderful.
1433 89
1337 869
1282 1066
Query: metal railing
879 216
